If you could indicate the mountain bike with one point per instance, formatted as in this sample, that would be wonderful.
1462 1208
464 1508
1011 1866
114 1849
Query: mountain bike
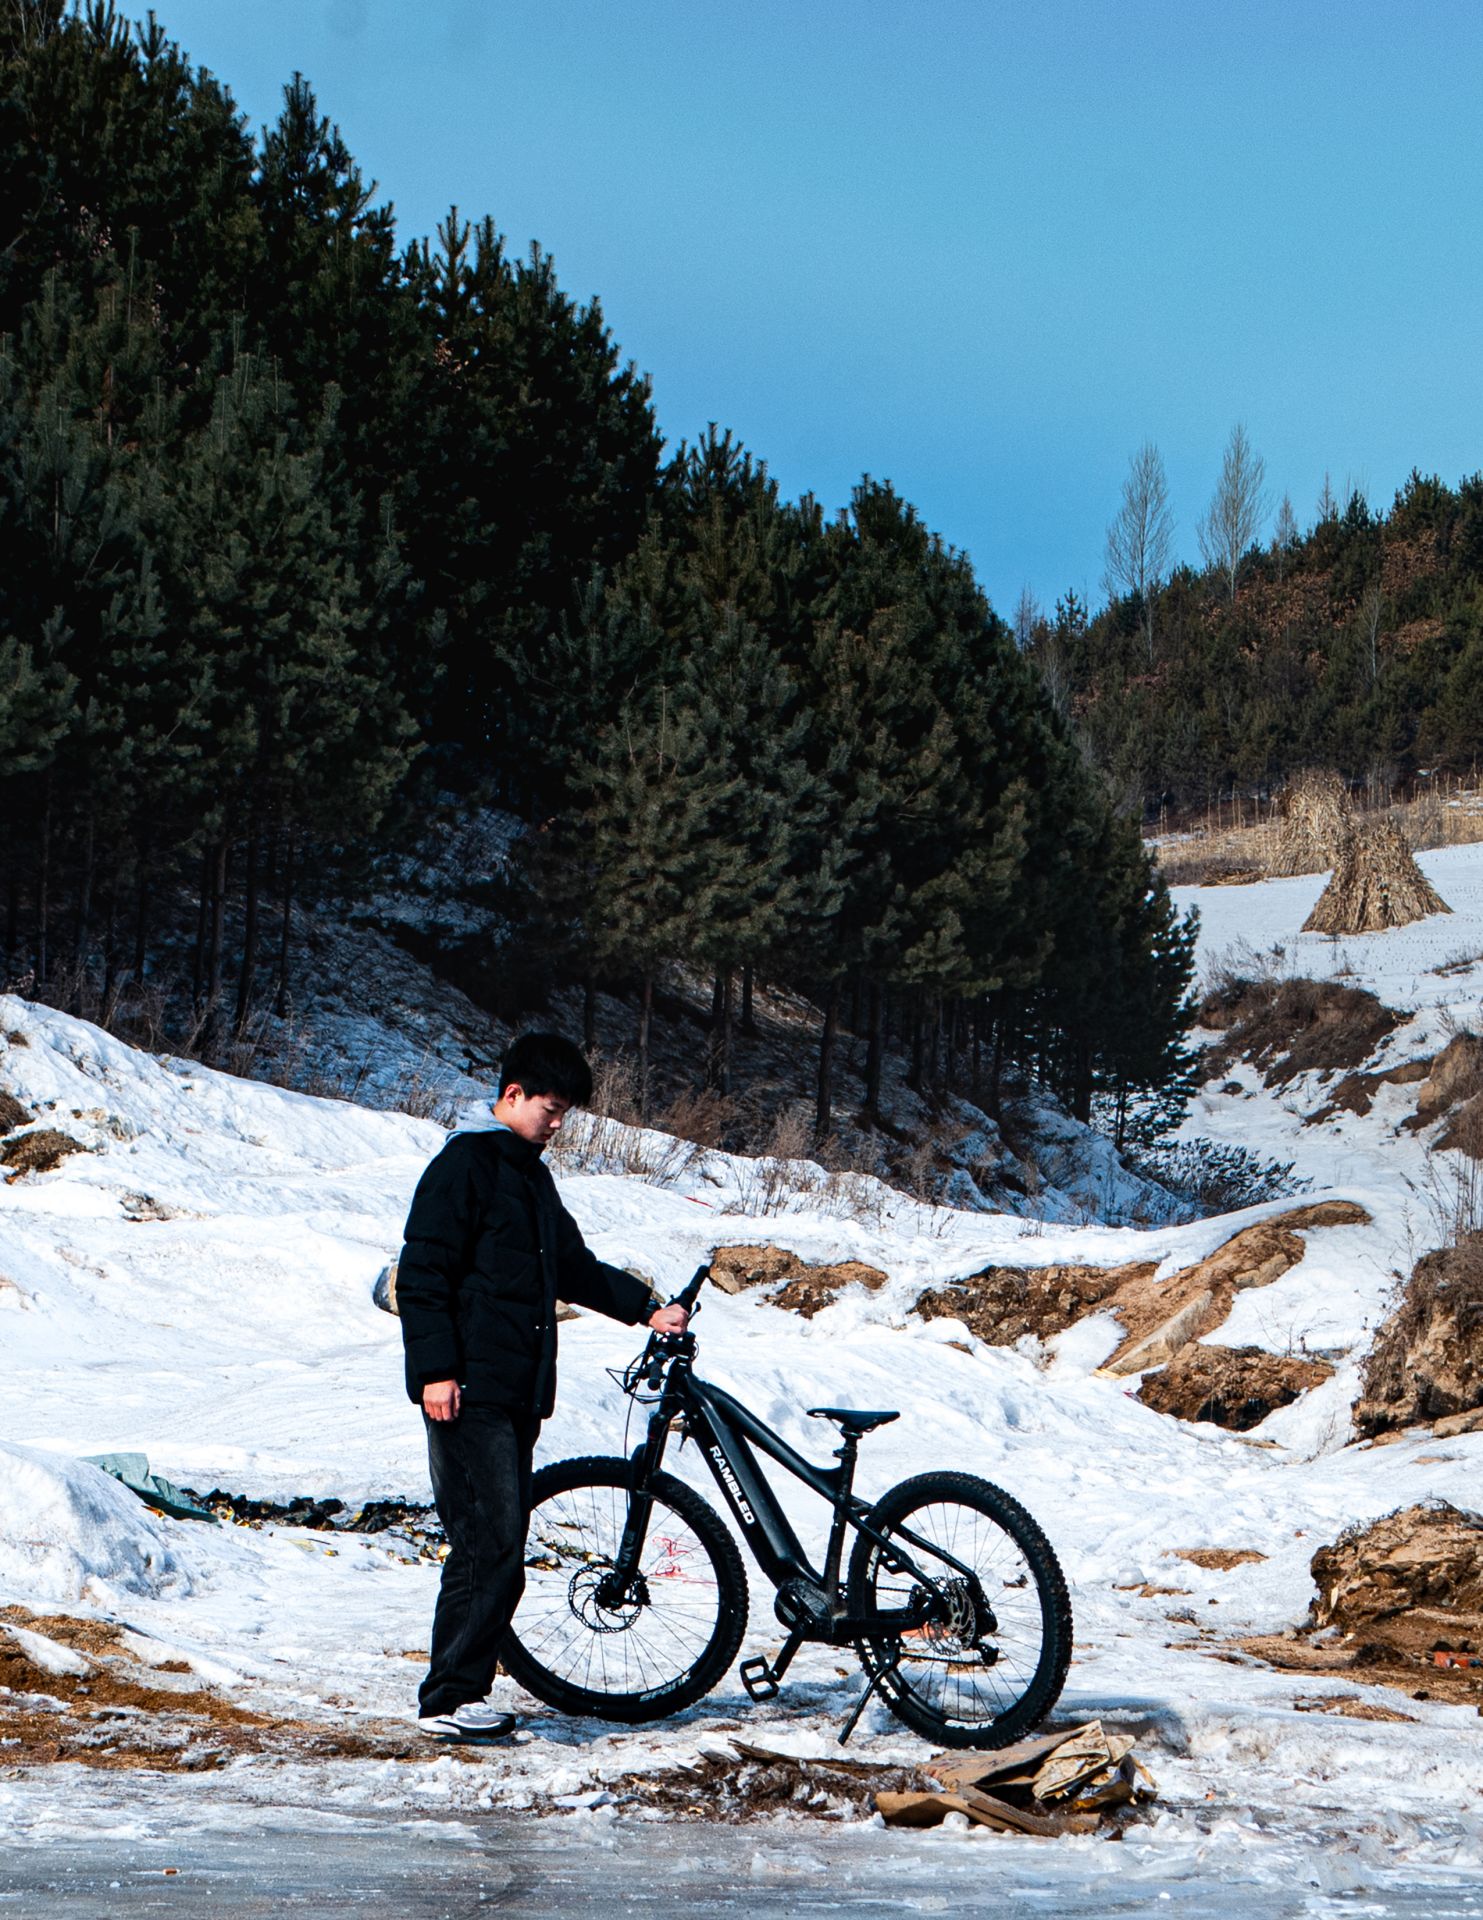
635 1601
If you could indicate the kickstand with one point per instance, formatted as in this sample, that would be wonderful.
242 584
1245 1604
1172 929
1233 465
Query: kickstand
860 1705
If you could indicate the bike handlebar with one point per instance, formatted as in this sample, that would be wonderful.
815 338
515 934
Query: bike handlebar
691 1292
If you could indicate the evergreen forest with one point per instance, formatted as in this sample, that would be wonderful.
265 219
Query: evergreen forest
1356 645
308 526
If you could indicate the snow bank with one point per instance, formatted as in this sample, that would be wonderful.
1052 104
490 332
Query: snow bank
70 1533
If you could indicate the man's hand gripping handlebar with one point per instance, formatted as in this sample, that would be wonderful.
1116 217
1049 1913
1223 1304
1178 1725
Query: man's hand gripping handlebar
669 1324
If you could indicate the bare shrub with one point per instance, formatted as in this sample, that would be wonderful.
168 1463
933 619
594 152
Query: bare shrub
1218 1176
615 1088
780 1173
1293 1026
699 1114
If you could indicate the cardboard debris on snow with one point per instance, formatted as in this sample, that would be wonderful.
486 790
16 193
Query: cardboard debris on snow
1058 1783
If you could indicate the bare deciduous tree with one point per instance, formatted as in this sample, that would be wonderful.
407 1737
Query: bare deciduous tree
1234 517
1371 610
1328 506
1285 535
1027 617
1141 537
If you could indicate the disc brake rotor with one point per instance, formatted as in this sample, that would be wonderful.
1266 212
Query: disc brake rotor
599 1605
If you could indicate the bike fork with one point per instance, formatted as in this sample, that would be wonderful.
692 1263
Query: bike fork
643 1465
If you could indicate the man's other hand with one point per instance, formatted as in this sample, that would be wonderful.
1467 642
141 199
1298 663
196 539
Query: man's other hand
441 1399
671 1319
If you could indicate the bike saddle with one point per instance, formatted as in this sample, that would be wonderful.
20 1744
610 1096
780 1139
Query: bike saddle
852 1422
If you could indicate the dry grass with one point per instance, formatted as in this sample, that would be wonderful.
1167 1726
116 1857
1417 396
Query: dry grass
1318 817
1288 1027
1242 840
1377 884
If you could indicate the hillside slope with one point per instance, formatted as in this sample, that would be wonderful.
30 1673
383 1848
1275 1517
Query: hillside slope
196 1285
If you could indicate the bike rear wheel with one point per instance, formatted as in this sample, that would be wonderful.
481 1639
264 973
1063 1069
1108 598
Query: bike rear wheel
582 1646
974 1679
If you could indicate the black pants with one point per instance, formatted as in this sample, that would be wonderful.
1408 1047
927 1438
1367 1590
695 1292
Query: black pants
480 1466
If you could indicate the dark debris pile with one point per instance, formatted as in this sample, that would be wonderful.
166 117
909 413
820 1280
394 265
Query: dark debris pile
415 1529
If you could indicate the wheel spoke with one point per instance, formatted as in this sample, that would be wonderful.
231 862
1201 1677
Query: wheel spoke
939 1678
578 1629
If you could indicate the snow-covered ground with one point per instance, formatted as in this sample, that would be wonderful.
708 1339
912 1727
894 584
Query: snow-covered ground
198 1288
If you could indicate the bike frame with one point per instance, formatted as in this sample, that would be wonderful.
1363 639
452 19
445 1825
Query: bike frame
725 1432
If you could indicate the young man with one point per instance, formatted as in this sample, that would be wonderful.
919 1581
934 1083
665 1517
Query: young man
489 1251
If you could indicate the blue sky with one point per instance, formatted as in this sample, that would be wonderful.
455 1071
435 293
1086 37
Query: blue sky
983 250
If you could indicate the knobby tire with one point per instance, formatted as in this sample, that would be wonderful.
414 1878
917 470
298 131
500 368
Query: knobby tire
659 1652
941 1687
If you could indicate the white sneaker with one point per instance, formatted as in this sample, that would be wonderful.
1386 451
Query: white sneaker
474 1720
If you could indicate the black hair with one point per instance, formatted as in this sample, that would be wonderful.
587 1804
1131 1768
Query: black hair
547 1063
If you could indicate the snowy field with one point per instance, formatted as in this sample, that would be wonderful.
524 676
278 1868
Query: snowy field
198 1288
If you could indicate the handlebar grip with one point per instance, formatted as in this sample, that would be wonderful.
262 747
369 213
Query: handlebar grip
691 1293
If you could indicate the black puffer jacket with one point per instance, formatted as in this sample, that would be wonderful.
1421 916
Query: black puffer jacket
489 1251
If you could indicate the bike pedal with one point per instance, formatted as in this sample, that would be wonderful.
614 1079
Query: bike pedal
758 1678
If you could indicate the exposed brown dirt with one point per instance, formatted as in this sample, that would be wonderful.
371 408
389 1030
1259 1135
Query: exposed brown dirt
738 1791
1288 1027
12 1113
39 1152
1371 1664
1163 1317
1399 1603
1412 1581
1427 1360
1219 1559
1002 1304
1455 1076
1349 1708
806 1286
1232 1387
119 1713
1356 1092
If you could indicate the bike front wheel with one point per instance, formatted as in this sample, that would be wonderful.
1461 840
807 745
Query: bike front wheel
991 1665
584 1642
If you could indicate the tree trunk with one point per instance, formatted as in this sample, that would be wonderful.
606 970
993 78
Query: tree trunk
824 1111
874 1050
589 1014
43 887
85 907
203 921
280 996
914 1076
718 1065
111 982
249 937
1081 1090
214 956
996 1072
748 1023
12 909
141 912
646 1014
713 1063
